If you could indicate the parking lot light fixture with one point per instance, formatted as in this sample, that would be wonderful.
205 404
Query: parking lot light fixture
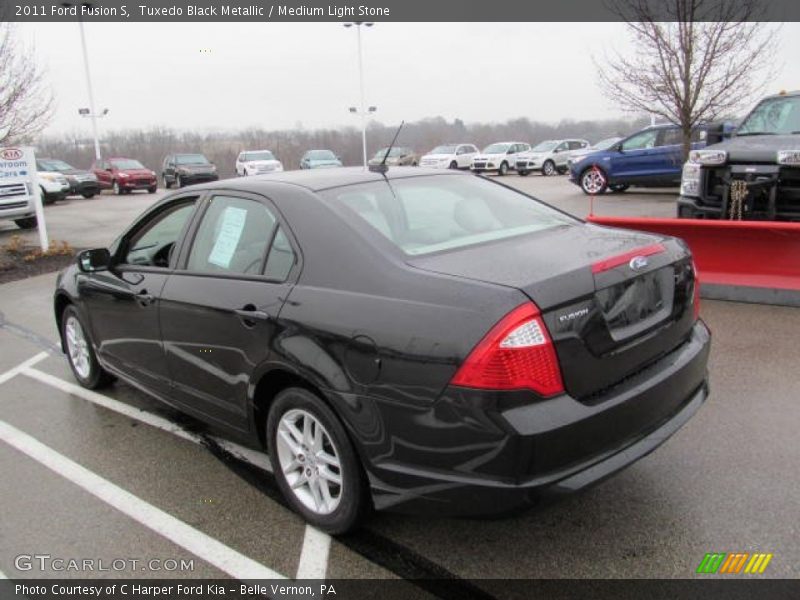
362 111
92 113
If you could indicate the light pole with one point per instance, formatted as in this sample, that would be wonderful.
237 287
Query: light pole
92 112
363 111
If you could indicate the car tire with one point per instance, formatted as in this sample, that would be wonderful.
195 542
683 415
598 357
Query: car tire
152 190
116 188
178 182
80 351
88 195
47 199
453 165
167 184
414 164
548 168
26 223
593 181
524 173
295 457
503 170
618 188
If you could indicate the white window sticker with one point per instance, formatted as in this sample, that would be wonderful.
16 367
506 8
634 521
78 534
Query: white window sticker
228 238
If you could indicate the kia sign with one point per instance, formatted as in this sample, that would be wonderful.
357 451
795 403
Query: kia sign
18 166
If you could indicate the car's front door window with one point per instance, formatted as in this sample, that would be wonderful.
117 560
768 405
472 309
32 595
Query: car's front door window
153 243
641 141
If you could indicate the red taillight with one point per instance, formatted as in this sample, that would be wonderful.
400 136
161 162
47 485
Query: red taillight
517 353
696 298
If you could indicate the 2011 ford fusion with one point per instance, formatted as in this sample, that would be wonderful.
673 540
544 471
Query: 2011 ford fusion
414 340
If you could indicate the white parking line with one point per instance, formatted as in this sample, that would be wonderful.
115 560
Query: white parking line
249 455
24 365
314 556
198 543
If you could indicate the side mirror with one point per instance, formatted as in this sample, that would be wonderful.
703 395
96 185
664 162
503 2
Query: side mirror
96 259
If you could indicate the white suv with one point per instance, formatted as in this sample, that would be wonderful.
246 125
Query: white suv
549 157
257 162
499 157
449 156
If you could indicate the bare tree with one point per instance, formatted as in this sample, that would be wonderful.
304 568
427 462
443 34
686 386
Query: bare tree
26 103
695 60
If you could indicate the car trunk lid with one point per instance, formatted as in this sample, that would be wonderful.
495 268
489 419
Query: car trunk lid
608 317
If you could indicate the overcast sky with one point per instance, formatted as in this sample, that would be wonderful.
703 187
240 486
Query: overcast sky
277 75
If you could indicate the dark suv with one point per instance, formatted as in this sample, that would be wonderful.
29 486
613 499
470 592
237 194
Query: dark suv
753 175
652 157
185 169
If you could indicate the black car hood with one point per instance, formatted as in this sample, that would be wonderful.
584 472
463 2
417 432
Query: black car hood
757 148
551 267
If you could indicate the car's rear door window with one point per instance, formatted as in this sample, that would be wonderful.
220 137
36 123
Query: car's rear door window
233 237
421 215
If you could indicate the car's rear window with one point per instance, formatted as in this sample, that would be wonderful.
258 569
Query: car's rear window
422 215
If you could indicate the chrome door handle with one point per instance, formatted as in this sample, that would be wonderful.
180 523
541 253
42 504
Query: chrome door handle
251 314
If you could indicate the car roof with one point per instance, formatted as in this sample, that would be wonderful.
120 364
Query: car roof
321 179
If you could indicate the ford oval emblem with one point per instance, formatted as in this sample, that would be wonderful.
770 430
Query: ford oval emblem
638 263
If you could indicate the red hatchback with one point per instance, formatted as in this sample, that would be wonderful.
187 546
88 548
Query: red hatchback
124 175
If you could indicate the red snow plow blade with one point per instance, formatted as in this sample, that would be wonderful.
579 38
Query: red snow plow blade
746 261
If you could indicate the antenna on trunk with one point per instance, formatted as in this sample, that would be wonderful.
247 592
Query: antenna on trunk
382 168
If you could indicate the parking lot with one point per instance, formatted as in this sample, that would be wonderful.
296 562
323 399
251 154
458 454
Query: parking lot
116 476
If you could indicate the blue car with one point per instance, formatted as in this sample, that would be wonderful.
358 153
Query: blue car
652 157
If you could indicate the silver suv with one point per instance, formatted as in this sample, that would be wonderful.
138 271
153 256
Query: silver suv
549 157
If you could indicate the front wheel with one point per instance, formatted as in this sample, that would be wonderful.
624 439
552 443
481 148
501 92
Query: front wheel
88 195
167 184
117 189
503 170
152 189
315 465
26 223
593 181
80 353
548 168
178 182
453 165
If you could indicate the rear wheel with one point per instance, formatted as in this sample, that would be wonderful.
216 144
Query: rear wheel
26 223
503 168
593 181
315 465
548 168
80 353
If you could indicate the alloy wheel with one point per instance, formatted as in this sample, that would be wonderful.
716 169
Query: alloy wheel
77 347
593 181
309 461
549 168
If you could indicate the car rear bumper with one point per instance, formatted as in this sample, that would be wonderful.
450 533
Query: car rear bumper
550 447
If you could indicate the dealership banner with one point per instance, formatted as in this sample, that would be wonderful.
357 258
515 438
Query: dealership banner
382 10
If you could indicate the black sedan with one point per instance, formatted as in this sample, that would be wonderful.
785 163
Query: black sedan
418 340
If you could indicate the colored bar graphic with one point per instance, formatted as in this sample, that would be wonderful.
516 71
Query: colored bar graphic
734 563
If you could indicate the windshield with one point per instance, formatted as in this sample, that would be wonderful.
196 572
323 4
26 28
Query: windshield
393 153
773 116
421 215
191 159
53 165
253 156
321 155
127 163
496 148
444 150
544 146
606 143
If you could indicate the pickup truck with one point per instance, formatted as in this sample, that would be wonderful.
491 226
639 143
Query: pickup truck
753 175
